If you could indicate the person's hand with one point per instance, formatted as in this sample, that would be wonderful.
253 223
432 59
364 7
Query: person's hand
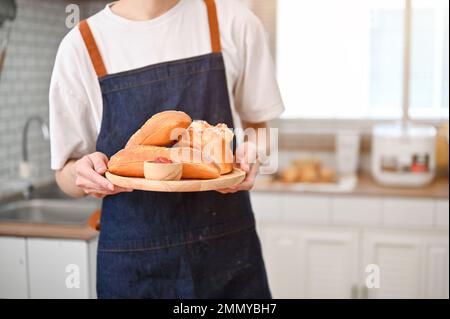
89 172
246 159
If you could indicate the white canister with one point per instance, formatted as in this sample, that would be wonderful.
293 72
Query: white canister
347 152
404 155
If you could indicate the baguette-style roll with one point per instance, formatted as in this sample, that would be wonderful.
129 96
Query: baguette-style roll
213 141
129 162
158 129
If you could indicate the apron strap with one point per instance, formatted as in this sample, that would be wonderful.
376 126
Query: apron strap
213 26
92 48
96 57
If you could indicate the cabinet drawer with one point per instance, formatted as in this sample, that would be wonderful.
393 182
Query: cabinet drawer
266 206
442 214
306 209
58 268
356 210
436 267
408 213
13 268
398 256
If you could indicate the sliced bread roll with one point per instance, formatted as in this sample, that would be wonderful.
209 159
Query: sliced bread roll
213 141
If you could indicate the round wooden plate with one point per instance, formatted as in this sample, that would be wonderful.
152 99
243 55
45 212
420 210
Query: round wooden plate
186 185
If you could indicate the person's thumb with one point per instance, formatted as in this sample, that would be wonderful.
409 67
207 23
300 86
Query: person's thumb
246 155
100 161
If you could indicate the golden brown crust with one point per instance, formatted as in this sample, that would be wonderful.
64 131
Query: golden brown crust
158 129
200 171
130 161
213 141
226 166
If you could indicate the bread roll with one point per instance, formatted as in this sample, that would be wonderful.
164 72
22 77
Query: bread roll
309 174
327 175
158 129
290 174
310 163
213 141
130 161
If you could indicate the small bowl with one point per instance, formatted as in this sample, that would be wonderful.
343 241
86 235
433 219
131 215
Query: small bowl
163 171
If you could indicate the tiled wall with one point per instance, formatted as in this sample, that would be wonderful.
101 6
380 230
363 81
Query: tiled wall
24 83
91 7
34 38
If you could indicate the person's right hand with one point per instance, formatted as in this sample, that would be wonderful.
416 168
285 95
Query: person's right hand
89 172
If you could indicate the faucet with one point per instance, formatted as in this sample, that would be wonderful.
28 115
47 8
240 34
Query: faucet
24 165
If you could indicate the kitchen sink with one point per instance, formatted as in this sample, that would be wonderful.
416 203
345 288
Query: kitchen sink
48 211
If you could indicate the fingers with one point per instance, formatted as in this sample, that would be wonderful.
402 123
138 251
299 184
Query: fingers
89 171
246 155
118 189
87 175
228 190
244 166
101 194
249 180
99 161
247 183
253 172
97 195
98 168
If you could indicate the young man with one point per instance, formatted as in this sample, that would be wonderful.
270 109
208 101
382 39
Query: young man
131 60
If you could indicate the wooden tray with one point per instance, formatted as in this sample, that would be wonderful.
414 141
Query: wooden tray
186 185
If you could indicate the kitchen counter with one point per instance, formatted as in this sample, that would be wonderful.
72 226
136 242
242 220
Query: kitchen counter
49 199
62 231
366 186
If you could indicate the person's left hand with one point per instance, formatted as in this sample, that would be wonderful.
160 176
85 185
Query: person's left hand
246 159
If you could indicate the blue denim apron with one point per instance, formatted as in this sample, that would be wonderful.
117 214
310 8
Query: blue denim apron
173 245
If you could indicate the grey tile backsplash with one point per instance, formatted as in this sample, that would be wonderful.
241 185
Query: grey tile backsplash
24 83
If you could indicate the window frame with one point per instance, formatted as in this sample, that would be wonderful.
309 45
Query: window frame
365 124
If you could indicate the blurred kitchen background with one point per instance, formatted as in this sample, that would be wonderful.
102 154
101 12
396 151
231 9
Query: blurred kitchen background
359 206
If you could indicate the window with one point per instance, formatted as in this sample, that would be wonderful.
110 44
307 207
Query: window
429 66
344 58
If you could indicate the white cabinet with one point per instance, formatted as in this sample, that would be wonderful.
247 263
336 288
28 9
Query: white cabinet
59 268
398 257
442 214
310 262
266 206
283 260
309 209
436 265
412 264
319 246
329 263
353 210
306 209
47 268
13 268
408 213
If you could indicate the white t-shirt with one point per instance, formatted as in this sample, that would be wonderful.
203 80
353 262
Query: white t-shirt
182 32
